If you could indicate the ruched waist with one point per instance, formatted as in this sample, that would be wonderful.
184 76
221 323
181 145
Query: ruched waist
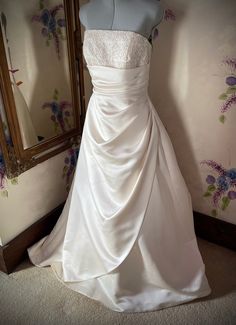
114 81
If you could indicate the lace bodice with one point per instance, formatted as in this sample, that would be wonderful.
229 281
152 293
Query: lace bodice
119 49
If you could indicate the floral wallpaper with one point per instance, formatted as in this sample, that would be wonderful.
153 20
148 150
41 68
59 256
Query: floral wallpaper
51 25
193 88
70 164
2 172
61 111
221 187
221 182
4 181
168 15
229 95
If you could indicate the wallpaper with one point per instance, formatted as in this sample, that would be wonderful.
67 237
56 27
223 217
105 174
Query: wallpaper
193 87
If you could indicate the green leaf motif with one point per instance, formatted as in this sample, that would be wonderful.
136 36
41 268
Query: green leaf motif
4 193
14 181
214 212
207 194
223 96
222 118
225 202
211 188
231 90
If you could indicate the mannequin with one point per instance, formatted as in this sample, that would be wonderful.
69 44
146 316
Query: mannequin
140 16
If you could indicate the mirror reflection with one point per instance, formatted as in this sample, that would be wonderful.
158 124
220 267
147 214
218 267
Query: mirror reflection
35 40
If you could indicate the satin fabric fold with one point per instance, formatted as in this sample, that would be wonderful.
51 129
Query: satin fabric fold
107 203
117 170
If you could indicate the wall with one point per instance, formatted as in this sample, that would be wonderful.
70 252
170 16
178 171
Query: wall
192 79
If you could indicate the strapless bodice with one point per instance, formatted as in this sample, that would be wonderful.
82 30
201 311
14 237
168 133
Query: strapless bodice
118 49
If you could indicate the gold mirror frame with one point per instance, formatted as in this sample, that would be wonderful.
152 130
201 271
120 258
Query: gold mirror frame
16 158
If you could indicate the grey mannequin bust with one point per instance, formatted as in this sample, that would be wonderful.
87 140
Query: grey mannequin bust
140 16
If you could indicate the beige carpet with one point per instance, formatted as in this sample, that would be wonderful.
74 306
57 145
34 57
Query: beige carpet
32 295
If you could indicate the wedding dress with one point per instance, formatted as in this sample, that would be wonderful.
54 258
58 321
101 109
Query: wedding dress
126 236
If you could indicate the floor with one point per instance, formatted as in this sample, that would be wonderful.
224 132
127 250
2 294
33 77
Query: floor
32 295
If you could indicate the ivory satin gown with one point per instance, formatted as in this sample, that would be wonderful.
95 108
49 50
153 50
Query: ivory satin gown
126 235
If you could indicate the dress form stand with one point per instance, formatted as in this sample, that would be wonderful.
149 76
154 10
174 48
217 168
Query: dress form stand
140 16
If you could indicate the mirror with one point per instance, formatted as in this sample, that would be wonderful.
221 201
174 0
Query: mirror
41 75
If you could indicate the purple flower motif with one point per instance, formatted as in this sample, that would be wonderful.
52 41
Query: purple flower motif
215 166
233 183
231 80
54 107
71 151
229 96
61 22
45 32
45 17
223 182
70 161
55 9
169 14
59 110
231 173
217 196
2 179
2 171
210 179
232 195
229 102
67 160
51 25
221 187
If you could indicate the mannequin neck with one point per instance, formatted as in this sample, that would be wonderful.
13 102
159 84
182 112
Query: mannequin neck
140 16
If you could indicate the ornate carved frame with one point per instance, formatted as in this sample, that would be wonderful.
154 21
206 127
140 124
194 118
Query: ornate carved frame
16 158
